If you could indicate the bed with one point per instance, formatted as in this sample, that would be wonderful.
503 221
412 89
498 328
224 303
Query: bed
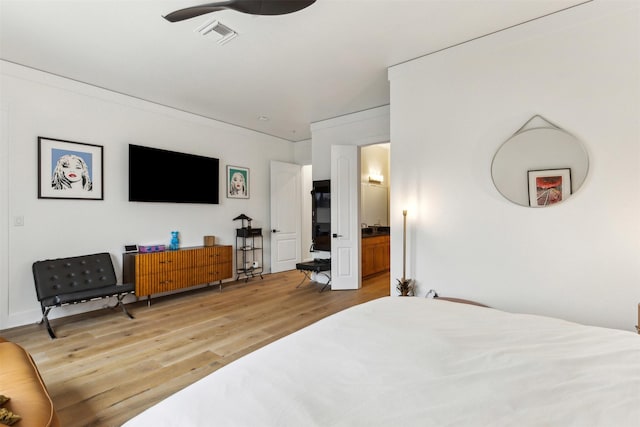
421 362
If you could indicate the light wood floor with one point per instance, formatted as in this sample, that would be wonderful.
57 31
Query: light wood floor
105 368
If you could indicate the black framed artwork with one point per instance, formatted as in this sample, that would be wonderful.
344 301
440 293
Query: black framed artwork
548 187
69 170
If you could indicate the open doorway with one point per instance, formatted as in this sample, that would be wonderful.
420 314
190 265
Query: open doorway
374 209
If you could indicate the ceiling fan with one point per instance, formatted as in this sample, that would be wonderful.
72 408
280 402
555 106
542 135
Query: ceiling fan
252 7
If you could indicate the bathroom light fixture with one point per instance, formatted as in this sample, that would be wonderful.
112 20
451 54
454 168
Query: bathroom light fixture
376 178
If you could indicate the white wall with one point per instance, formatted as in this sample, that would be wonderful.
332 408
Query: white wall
302 155
305 224
4 213
362 128
40 104
302 152
452 110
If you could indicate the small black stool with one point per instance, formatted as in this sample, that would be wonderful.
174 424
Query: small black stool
318 266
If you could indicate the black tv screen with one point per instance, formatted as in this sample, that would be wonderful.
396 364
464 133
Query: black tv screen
157 175
321 215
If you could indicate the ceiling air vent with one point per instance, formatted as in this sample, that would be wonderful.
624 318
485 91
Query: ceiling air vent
226 34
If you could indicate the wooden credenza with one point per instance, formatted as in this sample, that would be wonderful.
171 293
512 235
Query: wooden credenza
158 272
375 255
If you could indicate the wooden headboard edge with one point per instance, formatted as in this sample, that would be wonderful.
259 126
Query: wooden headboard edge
460 300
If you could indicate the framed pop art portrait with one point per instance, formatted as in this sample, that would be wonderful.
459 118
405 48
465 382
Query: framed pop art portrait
237 182
69 170
548 187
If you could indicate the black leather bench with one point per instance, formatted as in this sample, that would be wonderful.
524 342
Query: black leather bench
318 266
77 279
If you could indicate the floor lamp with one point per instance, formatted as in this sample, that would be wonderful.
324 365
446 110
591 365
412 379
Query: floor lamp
405 286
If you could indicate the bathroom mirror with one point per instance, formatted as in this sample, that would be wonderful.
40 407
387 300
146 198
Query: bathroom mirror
540 165
374 205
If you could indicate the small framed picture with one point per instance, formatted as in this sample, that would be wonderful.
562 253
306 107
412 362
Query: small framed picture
69 170
237 182
548 187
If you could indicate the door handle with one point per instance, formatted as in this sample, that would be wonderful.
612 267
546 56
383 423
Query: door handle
275 231
335 236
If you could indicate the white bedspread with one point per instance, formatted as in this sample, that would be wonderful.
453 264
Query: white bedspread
421 362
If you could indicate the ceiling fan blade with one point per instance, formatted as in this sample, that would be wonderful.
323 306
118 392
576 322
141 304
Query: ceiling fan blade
270 7
252 7
192 12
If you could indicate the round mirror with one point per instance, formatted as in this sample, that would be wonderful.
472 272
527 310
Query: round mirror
540 166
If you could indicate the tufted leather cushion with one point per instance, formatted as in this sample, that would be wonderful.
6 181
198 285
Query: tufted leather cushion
67 280
21 381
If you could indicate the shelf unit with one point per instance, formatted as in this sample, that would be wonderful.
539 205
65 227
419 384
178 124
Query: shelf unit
249 254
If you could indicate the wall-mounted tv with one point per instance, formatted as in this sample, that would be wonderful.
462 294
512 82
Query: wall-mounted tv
157 175
321 215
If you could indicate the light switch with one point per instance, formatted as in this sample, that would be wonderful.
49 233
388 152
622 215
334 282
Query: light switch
18 221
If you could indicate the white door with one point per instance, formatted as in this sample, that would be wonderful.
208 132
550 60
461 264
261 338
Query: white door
345 217
286 184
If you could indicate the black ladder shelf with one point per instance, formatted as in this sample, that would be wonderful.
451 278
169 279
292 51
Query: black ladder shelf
249 255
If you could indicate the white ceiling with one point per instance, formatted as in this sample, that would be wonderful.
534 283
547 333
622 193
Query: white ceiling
325 61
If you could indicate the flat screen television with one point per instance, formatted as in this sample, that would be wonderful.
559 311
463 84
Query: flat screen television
321 215
157 175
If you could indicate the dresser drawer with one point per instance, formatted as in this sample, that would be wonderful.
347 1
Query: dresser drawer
214 254
160 261
215 272
148 284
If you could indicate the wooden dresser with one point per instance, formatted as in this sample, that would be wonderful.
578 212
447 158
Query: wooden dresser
158 272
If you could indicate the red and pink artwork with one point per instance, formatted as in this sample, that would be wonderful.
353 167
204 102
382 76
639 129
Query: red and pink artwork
548 187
